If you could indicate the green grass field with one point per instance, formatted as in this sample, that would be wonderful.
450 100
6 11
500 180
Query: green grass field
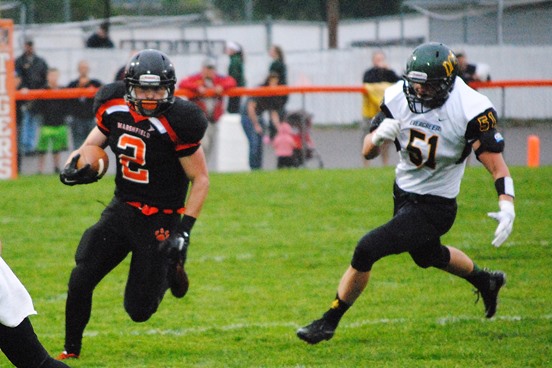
265 259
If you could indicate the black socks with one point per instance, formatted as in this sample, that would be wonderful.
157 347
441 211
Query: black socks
336 311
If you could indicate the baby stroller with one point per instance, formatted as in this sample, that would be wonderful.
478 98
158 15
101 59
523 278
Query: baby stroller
301 124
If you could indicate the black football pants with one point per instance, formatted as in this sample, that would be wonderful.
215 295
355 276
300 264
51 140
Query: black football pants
417 225
121 229
21 346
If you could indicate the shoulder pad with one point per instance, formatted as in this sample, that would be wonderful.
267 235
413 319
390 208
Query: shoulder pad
109 92
188 120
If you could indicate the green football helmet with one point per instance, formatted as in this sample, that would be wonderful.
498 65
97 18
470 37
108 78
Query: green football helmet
435 67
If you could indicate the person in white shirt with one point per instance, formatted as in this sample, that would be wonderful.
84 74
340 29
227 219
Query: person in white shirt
17 337
434 120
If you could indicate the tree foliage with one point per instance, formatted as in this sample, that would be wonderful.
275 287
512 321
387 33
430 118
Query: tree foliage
313 10
57 11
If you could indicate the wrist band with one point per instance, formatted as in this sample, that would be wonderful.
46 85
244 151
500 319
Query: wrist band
185 226
505 185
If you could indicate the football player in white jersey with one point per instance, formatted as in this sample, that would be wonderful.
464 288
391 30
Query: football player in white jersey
435 120
18 341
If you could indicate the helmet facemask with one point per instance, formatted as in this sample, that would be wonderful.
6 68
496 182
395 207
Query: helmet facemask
432 95
150 107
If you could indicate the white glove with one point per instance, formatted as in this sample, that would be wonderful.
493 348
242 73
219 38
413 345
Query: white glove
388 129
505 220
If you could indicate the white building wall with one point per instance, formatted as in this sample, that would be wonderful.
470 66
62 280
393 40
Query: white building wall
62 47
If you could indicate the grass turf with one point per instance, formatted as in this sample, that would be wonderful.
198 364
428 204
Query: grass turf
265 259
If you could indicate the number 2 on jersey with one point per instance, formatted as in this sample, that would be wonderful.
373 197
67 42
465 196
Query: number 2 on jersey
138 148
415 153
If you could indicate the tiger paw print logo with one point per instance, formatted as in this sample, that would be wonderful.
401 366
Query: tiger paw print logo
161 234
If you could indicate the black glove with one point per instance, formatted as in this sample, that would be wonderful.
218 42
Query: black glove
176 246
70 175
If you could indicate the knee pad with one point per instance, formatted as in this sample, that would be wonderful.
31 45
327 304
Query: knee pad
140 312
431 256
139 315
365 254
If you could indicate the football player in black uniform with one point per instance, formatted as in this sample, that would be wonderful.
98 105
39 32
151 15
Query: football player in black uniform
156 141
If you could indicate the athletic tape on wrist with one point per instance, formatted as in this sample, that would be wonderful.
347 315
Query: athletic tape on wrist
505 185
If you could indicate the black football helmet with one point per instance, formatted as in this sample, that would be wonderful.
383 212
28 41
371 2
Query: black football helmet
150 68
435 67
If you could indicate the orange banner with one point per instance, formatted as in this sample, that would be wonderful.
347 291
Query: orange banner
8 126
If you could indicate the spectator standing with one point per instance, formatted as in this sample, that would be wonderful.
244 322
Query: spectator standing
53 132
202 83
235 70
82 119
376 80
254 124
33 71
100 38
468 71
380 71
17 337
284 145
278 66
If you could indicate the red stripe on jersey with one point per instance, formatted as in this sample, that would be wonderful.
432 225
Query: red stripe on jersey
137 117
105 106
179 145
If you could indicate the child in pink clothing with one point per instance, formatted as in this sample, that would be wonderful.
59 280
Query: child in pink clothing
284 144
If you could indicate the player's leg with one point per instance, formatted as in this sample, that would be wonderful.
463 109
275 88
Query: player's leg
23 349
147 281
100 250
59 144
487 283
405 229
42 147
453 260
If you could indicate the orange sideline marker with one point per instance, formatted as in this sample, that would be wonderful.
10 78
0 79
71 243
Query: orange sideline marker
533 151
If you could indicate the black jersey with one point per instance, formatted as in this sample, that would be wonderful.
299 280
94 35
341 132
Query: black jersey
148 149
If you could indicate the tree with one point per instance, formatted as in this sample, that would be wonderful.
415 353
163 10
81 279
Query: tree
313 10
48 11
332 10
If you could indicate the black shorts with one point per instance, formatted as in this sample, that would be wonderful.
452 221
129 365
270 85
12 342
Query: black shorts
417 225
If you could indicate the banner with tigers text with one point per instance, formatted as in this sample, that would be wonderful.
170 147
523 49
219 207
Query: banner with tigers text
8 126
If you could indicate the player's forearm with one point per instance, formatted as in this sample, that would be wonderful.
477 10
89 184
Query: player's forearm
198 194
369 149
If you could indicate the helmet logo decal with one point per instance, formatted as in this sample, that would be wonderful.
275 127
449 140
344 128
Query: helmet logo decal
417 77
449 64
149 79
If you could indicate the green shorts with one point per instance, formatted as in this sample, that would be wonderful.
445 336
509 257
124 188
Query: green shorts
52 137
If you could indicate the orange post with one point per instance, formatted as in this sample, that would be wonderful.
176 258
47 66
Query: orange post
8 127
533 151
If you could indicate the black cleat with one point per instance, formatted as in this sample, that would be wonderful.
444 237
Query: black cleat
178 279
497 279
317 331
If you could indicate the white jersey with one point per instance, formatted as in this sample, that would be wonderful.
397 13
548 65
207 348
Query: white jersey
15 302
432 143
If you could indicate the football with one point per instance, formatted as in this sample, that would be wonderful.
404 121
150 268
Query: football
96 157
